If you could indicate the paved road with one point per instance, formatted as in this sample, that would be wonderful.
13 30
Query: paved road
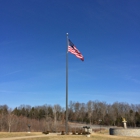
91 126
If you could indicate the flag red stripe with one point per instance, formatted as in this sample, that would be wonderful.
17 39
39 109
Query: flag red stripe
76 52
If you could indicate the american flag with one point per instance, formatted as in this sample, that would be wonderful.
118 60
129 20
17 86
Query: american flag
72 49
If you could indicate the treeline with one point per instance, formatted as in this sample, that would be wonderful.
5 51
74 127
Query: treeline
110 114
26 118
52 118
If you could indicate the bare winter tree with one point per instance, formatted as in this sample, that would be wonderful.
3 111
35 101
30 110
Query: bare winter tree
10 119
56 112
82 112
89 110
103 110
96 112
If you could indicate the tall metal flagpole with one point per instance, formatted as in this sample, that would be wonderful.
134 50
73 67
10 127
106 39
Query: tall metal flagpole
66 125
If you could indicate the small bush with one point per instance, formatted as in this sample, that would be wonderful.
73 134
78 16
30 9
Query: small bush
84 133
47 132
73 133
79 132
62 133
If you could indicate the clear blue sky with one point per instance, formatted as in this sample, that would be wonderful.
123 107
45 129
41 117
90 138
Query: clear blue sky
33 51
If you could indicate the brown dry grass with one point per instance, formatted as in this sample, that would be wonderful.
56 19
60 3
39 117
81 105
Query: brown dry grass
93 137
18 134
96 136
